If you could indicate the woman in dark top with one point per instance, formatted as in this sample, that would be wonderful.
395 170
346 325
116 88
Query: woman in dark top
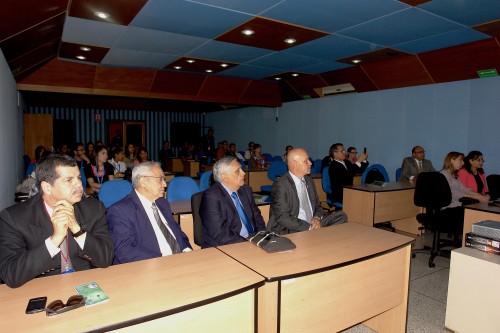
90 150
472 174
142 156
98 171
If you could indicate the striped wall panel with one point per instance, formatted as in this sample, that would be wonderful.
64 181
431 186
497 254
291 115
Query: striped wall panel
87 129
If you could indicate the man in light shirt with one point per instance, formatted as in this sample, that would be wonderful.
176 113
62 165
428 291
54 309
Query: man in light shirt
141 224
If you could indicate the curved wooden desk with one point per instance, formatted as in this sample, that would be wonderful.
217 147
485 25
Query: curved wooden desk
163 294
336 277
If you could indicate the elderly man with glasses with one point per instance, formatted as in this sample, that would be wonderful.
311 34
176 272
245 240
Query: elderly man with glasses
415 164
141 224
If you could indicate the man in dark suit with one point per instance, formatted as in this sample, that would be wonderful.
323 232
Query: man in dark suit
228 211
141 224
415 164
342 173
56 231
294 201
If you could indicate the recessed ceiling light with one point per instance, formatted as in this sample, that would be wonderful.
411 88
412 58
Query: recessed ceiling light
177 67
190 61
81 57
85 48
290 40
102 15
248 32
277 78
209 71
224 65
356 61
295 74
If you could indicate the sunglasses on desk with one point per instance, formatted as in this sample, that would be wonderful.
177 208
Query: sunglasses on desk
57 307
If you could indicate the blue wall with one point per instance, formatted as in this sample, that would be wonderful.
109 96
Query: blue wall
461 116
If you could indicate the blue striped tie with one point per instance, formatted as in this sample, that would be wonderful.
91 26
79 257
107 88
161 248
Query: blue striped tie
241 212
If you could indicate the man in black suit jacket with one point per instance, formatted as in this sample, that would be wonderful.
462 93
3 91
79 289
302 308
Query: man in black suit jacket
221 222
342 173
287 214
32 232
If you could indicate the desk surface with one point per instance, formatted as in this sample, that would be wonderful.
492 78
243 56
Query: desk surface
391 186
318 250
484 207
138 292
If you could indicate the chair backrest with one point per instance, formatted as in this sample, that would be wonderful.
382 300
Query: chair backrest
277 158
325 181
267 157
276 169
493 182
113 191
432 191
374 172
31 167
197 224
399 171
27 162
316 167
205 180
181 188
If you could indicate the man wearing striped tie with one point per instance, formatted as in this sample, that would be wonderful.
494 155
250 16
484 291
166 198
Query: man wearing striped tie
415 164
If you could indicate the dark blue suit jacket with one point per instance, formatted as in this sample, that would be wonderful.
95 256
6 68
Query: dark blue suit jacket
132 233
220 219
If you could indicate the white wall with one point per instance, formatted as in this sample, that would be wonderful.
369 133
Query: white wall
461 116
11 136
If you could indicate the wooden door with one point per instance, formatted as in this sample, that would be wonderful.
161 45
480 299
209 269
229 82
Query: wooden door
38 131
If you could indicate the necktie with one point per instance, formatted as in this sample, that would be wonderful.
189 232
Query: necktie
66 265
420 169
168 236
304 201
241 212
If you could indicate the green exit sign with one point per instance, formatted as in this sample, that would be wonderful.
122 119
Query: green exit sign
487 72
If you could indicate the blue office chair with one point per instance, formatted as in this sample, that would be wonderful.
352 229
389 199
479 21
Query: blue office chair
374 169
399 171
277 158
276 169
30 169
181 188
205 180
316 167
27 162
113 191
327 188
268 157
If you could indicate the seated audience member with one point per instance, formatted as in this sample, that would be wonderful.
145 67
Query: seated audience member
232 152
130 155
342 173
228 211
249 151
98 171
325 162
141 224
56 231
208 143
472 174
221 149
90 150
257 159
415 164
165 153
295 205
452 163
117 156
64 150
39 150
79 155
352 154
287 149
142 156
185 153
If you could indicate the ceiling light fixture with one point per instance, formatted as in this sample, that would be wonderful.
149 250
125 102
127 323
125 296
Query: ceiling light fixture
224 65
177 67
356 61
248 32
295 74
81 57
102 15
85 48
277 78
290 41
209 71
190 61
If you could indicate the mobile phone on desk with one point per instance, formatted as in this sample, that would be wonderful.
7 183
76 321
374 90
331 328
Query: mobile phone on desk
36 305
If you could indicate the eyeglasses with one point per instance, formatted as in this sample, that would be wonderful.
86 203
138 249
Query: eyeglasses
420 152
162 179
58 307
339 151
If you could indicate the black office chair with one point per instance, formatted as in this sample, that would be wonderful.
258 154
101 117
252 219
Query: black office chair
432 192
197 226
493 182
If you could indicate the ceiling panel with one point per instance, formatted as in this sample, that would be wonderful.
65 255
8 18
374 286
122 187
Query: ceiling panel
123 79
353 75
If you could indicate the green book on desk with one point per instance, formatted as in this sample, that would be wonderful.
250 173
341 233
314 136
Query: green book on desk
93 293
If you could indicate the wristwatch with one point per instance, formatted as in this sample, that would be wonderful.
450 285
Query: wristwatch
79 233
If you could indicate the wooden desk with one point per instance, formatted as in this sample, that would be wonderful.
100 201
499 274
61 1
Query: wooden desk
255 178
162 294
336 277
317 178
182 212
369 204
168 176
479 212
191 168
174 165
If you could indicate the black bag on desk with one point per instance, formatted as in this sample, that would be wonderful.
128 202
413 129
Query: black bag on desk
271 242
